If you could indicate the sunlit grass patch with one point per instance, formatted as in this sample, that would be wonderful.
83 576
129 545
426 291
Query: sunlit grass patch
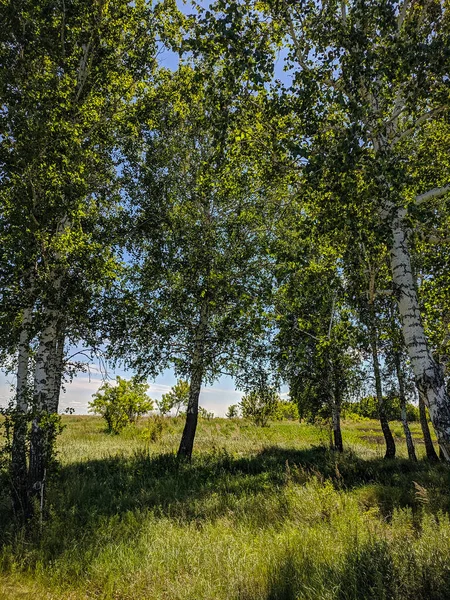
260 513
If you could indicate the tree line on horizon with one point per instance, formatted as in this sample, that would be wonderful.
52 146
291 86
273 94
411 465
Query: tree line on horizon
217 219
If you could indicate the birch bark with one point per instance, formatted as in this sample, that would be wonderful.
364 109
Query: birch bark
388 437
336 423
427 371
19 449
402 396
429 447
44 385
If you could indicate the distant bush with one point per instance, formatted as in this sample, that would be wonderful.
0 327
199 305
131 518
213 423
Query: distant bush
204 414
156 426
176 399
122 403
355 417
287 411
260 405
232 412
368 408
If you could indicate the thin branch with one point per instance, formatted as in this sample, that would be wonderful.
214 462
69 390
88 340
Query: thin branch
83 69
306 333
343 11
83 352
435 239
331 318
298 49
63 26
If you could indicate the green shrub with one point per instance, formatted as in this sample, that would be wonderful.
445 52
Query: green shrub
355 417
156 426
122 403
176 399
232 412
287 411
260 405
204 414
368 408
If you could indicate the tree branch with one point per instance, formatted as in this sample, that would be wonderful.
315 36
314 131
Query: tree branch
402 14
434 193
419 121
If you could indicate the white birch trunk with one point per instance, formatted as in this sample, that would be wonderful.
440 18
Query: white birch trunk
20 424
44 383
23 362
44 375
58 368
427 371
46 379
336 423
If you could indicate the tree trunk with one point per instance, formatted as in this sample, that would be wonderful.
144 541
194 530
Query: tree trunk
335 409
336 422
429 447
20 425
427 371
388 437
45 378
190 427
402 396
58 368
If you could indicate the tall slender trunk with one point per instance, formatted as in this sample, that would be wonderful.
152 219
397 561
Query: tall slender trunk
336 423
402 396
45 381
388 437
335 409
427 371
58 369
429 446
197 371
20 426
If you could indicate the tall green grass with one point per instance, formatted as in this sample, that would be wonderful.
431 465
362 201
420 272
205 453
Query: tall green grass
259 514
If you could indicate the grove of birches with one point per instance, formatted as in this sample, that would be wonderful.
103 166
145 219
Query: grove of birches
257 189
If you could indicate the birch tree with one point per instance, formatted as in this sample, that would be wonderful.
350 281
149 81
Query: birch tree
317 344
367 78
384 64
194 296
70 70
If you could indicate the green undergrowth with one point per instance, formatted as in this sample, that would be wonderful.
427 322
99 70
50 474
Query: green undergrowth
259 514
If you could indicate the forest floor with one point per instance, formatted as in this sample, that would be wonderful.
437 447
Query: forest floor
260 514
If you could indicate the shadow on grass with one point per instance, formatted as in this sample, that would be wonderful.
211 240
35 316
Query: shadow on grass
86 495
116 485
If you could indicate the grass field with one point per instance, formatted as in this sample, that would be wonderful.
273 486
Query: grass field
259 514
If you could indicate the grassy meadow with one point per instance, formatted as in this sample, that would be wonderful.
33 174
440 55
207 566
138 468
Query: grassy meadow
260 514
